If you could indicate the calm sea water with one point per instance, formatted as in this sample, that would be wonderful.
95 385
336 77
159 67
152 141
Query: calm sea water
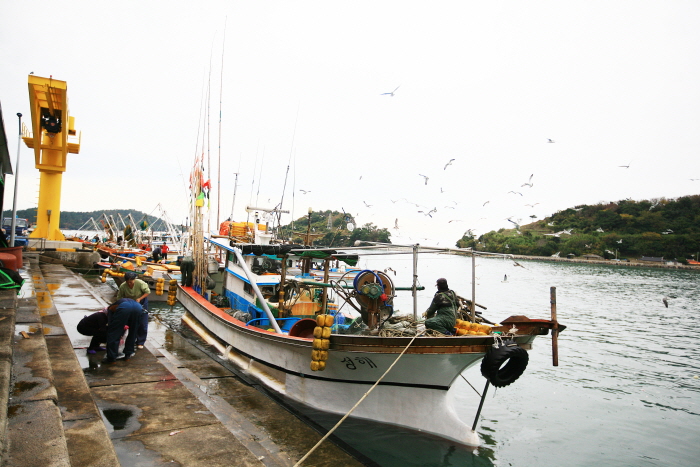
626 391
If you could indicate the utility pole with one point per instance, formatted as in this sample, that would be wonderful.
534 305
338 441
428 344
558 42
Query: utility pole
14 200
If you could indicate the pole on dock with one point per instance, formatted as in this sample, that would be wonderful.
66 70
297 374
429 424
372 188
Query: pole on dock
555 326
13 223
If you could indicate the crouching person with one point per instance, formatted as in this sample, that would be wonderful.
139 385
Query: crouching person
123 312
94 325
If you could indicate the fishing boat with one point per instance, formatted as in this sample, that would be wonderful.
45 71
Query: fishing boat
292 333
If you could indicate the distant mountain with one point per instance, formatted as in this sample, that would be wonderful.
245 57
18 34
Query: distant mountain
627 228
71 220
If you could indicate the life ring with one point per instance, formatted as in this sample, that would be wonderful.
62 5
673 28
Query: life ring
503 365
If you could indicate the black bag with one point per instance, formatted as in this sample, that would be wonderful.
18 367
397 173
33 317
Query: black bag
10 279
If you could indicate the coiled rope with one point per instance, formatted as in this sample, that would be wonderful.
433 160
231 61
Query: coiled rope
330 432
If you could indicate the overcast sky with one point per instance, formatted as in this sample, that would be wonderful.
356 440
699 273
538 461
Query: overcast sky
613 83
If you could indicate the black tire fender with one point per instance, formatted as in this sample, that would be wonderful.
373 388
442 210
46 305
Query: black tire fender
504 365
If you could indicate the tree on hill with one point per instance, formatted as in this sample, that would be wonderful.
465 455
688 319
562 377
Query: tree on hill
657 227
72 220
330 229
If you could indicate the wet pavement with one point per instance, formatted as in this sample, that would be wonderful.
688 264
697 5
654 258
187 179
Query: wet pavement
170 404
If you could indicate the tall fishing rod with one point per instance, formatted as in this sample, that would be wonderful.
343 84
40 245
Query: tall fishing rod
221 91
291 151
235 187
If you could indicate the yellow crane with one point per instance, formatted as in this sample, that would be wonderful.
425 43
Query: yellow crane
53 136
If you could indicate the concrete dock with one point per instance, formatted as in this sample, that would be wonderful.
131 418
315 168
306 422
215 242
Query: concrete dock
171 404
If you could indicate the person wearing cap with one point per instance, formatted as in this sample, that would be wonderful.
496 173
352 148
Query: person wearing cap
137 290
121 314
441 314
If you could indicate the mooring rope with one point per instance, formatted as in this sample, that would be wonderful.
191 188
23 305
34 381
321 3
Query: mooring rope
356 405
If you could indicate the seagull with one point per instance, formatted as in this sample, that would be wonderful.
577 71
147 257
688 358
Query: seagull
487 202
529 182
429 213
515 263
425 177
389 269
305 191
626 166
619 241
665 300
513 222
556 255
694 179
396 224
390 93
550 140
599 229
532 205
515 192
505 278
368 205
449 163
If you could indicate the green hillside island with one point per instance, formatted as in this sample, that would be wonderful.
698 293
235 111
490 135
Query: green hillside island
330 229
77 220
668 228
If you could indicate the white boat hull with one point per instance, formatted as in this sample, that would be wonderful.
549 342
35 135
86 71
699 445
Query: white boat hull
414 394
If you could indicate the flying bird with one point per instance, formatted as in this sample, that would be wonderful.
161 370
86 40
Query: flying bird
532 205
619 241
626 166
368 205
487 202
390 93
529 182
515 192
665 300
505 278
599 229
396 224
425 177
449 163
305 191
550 140
389 269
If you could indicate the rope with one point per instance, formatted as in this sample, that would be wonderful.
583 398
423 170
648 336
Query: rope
355 406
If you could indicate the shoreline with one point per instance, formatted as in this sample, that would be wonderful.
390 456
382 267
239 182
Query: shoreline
631 263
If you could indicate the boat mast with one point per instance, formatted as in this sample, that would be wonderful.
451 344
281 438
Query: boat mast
221 91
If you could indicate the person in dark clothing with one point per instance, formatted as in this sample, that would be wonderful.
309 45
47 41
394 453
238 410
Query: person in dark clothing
123 312
156 254
186 270
94 325
441 314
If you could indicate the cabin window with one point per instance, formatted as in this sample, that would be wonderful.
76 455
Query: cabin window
247 288
232 257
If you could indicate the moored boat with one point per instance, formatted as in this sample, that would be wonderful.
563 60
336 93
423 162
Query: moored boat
269 319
